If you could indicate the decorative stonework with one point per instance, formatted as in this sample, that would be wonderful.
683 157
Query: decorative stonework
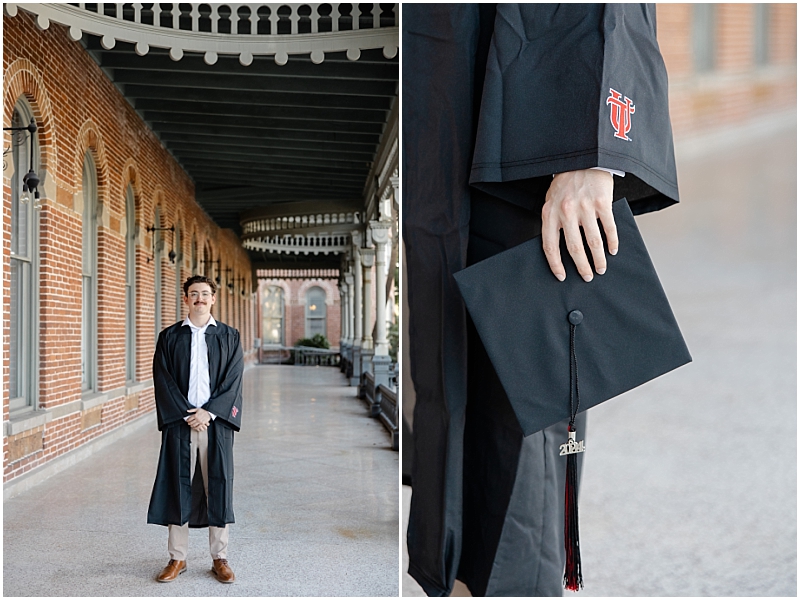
23 78
246 30
25 443
89 138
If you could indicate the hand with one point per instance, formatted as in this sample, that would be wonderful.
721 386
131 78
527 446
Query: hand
575 199
199 420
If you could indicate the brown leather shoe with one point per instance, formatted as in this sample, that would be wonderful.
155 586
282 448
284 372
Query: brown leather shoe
171 571
222 571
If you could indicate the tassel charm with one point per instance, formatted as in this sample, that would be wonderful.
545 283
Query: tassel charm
573 578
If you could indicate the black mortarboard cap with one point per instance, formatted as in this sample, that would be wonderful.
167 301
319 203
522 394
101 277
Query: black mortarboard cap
562 347
625 336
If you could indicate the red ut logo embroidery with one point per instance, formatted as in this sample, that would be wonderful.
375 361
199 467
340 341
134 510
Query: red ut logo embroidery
621 112
234 412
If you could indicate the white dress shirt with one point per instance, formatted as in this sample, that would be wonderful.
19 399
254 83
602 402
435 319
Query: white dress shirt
199 383
612 171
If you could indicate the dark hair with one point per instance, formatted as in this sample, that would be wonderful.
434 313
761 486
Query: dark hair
199 279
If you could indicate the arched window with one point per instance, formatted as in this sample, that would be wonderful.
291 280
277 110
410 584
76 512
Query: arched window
207 260
178 272
89 288
194 254
23 321
272 316
159 247
130 285
316 311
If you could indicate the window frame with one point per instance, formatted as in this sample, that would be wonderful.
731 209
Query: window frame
761 46
178 248
89 185
130 285
23 349
311 318
704 36
282 318
158 243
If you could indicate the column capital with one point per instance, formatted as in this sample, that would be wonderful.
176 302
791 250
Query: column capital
348 279
380 231
367 257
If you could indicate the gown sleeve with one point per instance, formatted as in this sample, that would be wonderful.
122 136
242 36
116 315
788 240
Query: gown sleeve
559 81
171 404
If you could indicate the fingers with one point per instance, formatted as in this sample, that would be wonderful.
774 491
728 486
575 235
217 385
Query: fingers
550 242
609 228
595 242
191 410
572 234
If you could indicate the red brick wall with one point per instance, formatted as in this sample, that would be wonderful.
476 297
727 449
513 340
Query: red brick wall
79 109
737 90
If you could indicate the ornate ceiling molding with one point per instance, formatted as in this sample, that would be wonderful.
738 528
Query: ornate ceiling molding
345 28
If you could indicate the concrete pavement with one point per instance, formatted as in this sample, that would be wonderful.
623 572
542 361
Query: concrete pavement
316 502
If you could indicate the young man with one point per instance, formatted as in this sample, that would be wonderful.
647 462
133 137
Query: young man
197 374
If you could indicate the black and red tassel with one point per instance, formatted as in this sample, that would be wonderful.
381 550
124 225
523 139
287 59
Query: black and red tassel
573 578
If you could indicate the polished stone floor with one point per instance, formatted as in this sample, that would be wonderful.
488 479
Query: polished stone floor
316 502
690 481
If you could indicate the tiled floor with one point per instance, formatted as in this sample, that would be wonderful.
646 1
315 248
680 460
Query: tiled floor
690 481
316 502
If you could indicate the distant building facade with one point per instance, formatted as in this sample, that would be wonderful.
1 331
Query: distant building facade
297 304
727 63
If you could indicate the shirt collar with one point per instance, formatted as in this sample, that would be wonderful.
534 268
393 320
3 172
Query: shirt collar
194 327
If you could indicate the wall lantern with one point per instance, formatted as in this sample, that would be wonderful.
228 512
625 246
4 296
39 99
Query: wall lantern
228 271
30 181
241 281
171 254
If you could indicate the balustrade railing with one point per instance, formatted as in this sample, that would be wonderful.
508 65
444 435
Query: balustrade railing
298 222
245 30
250 19
300 244
304 356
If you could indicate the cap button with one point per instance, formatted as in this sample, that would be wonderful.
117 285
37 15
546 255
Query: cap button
575 317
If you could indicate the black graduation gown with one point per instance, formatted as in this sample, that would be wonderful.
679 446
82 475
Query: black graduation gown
176 499
501 97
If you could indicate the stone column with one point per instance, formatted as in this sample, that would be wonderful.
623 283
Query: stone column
357 311
348 282
395 179
381 361
367 260
342 325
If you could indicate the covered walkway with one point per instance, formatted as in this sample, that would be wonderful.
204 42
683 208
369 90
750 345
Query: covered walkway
316 501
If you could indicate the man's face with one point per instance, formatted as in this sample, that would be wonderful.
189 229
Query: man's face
199 299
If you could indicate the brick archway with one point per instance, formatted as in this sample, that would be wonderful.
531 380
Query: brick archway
22 78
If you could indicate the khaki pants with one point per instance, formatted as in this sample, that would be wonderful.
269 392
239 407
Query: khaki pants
178 543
